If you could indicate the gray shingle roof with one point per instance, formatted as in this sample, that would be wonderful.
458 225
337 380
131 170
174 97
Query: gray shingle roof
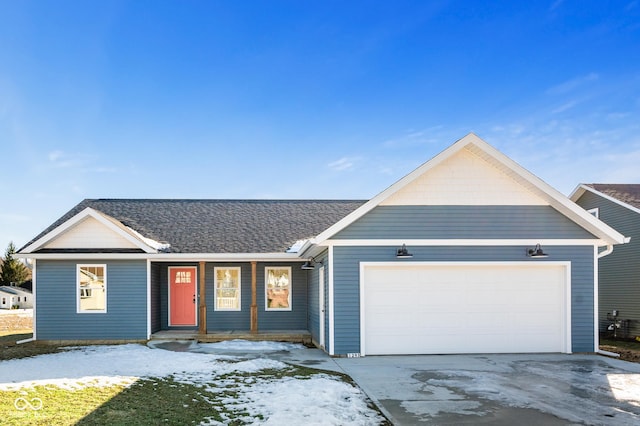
221 226
627 193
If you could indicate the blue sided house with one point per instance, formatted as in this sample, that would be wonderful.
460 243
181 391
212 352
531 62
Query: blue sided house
618 205
469 253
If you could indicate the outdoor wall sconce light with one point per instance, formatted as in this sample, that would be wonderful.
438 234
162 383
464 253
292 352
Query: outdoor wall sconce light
309 264
402 252
536 252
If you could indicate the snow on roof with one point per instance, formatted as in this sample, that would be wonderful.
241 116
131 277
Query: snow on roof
295 247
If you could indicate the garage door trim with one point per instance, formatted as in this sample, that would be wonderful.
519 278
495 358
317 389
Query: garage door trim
567 290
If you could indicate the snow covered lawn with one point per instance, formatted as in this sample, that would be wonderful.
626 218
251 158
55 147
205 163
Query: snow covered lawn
236 389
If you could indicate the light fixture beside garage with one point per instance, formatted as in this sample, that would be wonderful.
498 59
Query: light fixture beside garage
310 264
536 252
403 253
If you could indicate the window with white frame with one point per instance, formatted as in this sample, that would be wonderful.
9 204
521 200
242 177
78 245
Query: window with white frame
278 288
92 288
595 212
227 289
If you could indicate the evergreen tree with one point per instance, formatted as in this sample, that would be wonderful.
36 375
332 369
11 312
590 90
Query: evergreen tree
13 271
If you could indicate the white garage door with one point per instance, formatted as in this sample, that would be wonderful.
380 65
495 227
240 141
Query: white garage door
464 308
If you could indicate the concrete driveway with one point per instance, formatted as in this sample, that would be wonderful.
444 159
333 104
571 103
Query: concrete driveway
534 389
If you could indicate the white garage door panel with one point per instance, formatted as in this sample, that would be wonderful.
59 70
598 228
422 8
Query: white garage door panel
464 308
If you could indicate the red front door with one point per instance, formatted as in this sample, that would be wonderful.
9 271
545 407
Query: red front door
182 296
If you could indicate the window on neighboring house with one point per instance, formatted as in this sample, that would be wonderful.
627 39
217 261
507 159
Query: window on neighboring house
4 300
227 289
278 288
595 212
92 288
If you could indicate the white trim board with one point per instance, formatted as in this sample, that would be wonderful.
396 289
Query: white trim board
171 257
148 299
463 242
332 348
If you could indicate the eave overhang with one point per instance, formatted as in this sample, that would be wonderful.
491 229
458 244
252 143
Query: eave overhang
169 257
114 225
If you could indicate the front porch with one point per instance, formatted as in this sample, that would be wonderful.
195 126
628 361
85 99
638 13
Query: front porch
293 336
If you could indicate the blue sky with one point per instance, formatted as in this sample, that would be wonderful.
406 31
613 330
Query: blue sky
295 99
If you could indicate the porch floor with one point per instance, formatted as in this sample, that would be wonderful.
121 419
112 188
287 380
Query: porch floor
295 336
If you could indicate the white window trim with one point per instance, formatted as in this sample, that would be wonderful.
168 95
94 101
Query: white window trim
595 212
215 288
290 298
77 284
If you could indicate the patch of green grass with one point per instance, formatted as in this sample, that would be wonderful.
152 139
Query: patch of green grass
146 402
153 402
9 349
57 406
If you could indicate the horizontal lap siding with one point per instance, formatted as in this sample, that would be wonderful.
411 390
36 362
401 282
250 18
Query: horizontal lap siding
156 298
313 297
296 319
450 222
347 283
229 320
126 316
619 272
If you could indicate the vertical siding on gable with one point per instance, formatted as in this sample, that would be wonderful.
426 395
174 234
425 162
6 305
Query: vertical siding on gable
619 272
126 316
347 283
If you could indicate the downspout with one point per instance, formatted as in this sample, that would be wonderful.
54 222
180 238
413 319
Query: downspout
602 254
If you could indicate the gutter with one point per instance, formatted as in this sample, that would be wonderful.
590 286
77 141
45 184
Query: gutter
606 252
609 248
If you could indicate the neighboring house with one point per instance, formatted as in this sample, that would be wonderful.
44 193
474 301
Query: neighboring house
12 297
449 259
618 205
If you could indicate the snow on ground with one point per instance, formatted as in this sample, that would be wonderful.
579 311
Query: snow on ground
319 399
